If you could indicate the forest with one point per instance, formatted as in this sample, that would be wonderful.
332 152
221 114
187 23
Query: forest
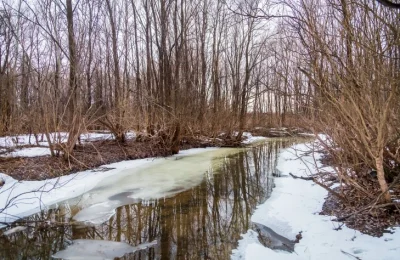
176 68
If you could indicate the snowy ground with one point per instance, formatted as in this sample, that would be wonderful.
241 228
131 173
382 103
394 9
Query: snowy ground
18 143
294 206
23 198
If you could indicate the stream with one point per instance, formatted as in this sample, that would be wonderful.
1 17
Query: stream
189 207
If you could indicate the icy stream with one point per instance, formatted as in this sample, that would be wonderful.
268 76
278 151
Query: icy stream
191 206
162 179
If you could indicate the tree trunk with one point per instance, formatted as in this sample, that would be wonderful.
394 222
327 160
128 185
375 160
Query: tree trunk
381 177
74 116
176 139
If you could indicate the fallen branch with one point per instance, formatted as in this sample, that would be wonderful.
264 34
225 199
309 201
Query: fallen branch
301 177
356 257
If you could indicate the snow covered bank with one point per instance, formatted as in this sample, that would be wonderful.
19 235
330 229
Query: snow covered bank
19 142
23 198
250 139
294 206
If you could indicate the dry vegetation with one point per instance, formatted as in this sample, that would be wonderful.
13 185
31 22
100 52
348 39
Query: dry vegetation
353 51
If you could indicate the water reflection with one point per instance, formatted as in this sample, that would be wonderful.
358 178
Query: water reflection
204 222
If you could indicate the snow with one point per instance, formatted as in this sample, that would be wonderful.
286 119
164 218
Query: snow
293 207
99 249
29 152
252 139
23 140
18 142
14 230
307 134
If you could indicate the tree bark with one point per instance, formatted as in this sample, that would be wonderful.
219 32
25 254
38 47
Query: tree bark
381 177
74 116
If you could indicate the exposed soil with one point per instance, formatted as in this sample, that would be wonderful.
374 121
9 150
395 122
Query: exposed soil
374 220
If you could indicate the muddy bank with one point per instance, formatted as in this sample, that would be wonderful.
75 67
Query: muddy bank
359 214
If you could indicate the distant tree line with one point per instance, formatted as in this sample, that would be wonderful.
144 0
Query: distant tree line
187 66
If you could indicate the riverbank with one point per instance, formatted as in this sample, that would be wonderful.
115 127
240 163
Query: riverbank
19 199
25 158
184 192
29 162
293 210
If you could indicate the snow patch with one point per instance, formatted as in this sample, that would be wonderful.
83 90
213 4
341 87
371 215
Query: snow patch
99 249
18 142
252 139
29 152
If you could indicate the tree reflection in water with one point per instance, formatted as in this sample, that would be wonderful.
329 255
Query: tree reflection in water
204 222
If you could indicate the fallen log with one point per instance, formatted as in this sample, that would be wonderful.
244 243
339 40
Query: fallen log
301 177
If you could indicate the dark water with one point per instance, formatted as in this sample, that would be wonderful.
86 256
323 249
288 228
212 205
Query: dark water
204 222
